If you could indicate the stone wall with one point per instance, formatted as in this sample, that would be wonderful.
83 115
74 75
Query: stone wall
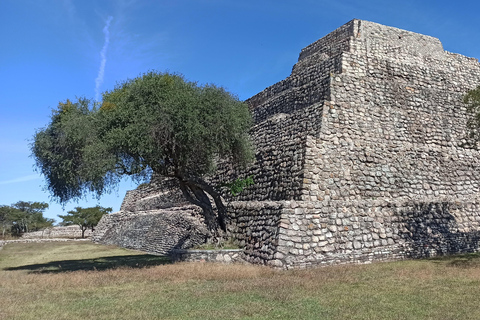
387 145
395 123
336 232
255 226
158 194
72 232
154 218
5 242
154 231
359 155
220 256
278 169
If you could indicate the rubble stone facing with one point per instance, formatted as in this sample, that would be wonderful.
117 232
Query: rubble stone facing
334 232
359 154
58 232
255 227
154 218
226 256
148 197
153 231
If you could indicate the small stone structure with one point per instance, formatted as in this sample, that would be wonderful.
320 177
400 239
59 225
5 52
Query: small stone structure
152 221
153 231
72 232
38 240
360 157
222 256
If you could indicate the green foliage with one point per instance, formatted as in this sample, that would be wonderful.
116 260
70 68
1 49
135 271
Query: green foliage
143 186
24 217
165 123
156 123
5 212
228 244
472 100
63 152
86 218
239 185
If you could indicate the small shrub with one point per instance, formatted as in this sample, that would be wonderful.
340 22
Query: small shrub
225 245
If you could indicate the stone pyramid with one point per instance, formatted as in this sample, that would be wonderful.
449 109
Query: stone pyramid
359 155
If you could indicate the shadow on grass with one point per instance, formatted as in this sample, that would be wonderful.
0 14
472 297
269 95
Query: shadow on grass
467 260
103 263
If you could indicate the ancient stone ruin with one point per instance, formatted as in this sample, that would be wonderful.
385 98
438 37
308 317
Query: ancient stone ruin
68 232
359 158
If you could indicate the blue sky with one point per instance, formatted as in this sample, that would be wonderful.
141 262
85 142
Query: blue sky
59 49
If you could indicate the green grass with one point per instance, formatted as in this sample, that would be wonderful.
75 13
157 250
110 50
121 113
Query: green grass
85 281
223 245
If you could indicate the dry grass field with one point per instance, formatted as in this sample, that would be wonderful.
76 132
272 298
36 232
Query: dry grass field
74 280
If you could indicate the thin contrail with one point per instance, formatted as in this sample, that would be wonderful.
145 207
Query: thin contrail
21 179
103 56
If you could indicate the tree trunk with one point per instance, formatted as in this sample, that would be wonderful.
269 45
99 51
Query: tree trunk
198 197
195 191
221 210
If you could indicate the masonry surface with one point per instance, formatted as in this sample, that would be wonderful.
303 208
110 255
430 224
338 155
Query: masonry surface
359 158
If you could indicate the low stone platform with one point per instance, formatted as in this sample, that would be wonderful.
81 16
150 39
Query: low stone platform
73 232
5 242
222 256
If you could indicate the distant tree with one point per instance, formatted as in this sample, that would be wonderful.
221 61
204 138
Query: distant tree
5 218
472 100
86 218
157 123
26 216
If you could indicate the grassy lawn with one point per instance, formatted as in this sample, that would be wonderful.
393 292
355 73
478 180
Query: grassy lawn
78 280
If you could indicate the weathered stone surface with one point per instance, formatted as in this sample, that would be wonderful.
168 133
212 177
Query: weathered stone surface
359 155
158 194
223 256
73 232
154 231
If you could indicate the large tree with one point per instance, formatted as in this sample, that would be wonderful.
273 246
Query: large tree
24 216
156 123
85 218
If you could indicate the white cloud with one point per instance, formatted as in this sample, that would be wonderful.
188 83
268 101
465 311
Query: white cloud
103 56
21 179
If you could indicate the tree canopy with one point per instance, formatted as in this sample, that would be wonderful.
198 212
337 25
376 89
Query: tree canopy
85 218
156 123
24 216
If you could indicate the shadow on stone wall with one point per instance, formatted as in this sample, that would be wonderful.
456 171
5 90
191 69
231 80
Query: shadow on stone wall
189 239
431 229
